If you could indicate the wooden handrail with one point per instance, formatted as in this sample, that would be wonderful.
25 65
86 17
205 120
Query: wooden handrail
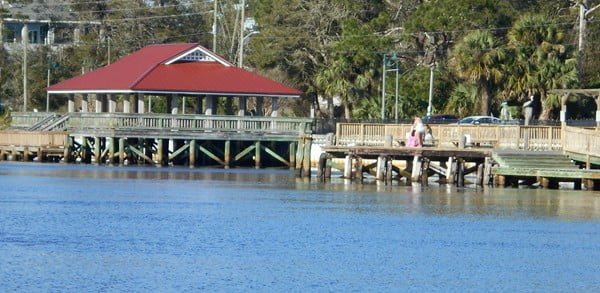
190 122
447 135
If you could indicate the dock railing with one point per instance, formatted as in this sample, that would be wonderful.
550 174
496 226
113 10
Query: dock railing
33 138
27 119
187 122
449 135
582 142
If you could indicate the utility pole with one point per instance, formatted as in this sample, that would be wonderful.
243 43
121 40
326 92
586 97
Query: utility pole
214 27
242 27
24 41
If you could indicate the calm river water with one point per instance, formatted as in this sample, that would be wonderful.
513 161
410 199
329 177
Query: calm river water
81 228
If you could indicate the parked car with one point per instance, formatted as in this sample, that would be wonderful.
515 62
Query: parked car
439 119
477 120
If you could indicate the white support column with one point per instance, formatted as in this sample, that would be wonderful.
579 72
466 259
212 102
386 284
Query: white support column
139 98
126 104
183 104
98 102
112 104
71 104
84 103
274 107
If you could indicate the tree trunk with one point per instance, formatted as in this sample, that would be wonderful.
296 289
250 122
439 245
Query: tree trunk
347 110
485 100
330 108
546 110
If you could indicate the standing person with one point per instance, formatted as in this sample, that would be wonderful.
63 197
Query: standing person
419 127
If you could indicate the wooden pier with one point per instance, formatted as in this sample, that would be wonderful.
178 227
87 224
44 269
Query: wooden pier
161 139
504 155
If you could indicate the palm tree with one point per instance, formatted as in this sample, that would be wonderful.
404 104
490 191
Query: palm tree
541 61
477 59
463 100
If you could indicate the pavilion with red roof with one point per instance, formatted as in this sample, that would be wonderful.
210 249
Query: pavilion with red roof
174 71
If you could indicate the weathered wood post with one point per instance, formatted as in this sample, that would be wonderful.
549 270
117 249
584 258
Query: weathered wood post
293 154
348 167
68 147
479 178
389 169
299 157
425 171
111 151
460 172
307 150
380 172
487 171
257 162
322 165
25 154
416 169
192 152
227 154
160 152
97 150
358 174
328 168
451 170
121 151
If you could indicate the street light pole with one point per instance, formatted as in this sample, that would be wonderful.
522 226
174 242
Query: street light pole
24 41
383 90
242 29
431 69
48 85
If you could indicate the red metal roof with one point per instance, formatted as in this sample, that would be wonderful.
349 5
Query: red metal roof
147 71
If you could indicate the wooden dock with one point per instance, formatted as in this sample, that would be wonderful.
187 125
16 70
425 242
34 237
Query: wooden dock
496 154
161 139
449 164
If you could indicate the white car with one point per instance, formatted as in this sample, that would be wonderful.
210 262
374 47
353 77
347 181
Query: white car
477 120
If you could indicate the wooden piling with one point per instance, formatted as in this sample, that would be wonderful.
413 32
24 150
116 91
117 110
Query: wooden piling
192 153
121 151
257 150
358 174
111 151
460 173
388 170
306 162
227 154
425 172
416 169
348 167
379 173
97 150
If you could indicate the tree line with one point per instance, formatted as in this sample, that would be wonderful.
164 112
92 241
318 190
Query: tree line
482 52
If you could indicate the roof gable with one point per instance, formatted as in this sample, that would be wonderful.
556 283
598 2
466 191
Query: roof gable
199 54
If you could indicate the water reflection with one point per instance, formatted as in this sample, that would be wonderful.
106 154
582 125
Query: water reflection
371 195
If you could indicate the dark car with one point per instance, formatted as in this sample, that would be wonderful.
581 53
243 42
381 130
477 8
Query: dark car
439 119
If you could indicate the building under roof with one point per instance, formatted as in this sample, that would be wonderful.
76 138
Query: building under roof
172 70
